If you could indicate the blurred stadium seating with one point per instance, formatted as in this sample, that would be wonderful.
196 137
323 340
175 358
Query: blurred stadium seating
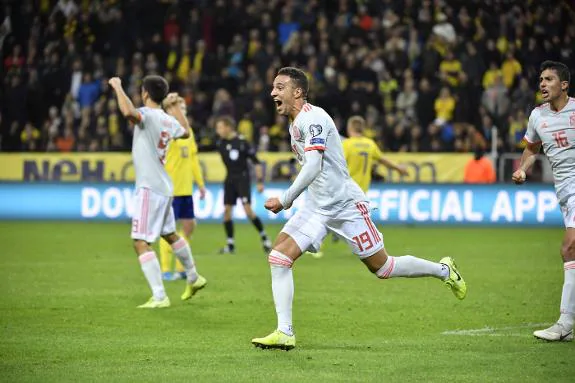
429 76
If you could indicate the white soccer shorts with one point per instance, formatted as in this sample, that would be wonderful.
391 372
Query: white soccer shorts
568 210
153 215
353 224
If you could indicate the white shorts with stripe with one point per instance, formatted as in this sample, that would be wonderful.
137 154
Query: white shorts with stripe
353 224
153 215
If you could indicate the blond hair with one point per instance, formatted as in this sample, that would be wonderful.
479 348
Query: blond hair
357 123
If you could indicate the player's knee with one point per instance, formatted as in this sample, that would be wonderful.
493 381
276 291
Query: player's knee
568 249
249 211
171 238
278 259
140 246
227 213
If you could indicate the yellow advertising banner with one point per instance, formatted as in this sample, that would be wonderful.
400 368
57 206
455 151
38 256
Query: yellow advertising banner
117 167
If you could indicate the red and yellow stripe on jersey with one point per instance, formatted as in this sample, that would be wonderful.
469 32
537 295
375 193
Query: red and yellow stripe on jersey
183 165
360 152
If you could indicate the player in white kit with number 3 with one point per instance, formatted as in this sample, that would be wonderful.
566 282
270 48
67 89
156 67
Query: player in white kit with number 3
552 125
334 202
153 214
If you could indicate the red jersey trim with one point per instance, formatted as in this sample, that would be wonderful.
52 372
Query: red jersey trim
531 142
314 148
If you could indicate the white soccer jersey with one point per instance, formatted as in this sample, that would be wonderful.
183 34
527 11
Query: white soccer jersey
556 132
150 144
333 189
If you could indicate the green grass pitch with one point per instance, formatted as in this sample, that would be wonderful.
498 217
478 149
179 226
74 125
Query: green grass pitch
68 293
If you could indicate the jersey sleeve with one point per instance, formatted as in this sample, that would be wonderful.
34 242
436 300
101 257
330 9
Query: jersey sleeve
531 134
315 133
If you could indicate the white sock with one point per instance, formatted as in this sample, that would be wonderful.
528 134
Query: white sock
184 253
151 268
412 267
282 288
568 296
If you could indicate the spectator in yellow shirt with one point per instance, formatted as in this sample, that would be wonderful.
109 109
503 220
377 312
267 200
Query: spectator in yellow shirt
510 70
444 107
490 75
450 69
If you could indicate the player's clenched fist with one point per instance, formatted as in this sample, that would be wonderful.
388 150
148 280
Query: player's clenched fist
274 205
519 176
115 82
170 100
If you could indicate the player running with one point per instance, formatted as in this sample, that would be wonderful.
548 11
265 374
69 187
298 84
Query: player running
360 152
236 154
183 167
552 125
334 202
153 213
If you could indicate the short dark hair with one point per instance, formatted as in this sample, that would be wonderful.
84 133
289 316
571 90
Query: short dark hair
299 78
227 120
561 69
157 87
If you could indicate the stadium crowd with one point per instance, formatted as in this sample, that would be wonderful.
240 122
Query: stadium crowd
427 75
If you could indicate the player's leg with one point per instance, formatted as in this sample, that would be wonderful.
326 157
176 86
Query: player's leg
186 218
230 198
187 227
146 225
166 254
266 243
301 232
563 329
366 241
183 252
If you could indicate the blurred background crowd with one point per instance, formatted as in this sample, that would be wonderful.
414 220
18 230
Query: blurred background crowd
427 75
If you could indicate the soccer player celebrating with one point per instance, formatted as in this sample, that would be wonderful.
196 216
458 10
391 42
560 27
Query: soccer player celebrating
552 125
360 152
334 202
153 213
236 153
183 167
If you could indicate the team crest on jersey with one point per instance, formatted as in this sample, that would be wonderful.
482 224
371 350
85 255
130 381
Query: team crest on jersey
572 119
315 130
544 125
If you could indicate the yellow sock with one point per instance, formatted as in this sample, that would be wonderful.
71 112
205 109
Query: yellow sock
179 267
166 256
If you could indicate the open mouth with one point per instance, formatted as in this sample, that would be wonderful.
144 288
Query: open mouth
544 93
278 103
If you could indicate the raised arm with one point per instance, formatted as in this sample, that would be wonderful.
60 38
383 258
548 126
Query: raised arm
124 103
171 107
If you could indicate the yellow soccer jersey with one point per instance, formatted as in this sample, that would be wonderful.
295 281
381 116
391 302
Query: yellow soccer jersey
360 152
183 165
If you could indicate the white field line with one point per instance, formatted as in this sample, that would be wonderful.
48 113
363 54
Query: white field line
496 331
